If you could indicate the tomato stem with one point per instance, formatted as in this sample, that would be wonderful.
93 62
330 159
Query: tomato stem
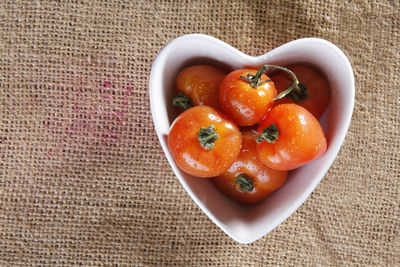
254 80
269 134
245 183
182 101
207 136
296 87
299 93
296 90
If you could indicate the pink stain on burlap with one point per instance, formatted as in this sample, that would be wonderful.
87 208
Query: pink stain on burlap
90 121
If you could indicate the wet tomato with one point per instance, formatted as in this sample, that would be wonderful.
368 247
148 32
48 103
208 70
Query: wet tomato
314 92
245 96
289 137
248 180
198 85
203 142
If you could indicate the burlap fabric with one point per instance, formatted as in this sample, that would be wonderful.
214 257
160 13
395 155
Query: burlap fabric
84 181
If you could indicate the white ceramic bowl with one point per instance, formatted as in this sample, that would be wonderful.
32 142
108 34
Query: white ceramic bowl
246 224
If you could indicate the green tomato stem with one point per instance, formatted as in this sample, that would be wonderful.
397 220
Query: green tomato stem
298 93
245 183
207 136
254 80
182 101
296 87
269 134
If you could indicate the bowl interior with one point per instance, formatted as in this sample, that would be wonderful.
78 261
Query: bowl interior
243 223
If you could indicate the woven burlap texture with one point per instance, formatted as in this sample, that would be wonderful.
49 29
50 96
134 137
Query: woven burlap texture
84 181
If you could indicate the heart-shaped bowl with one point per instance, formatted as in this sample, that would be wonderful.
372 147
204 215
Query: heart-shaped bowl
244 223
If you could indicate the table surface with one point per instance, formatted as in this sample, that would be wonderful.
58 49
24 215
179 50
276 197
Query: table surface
84 181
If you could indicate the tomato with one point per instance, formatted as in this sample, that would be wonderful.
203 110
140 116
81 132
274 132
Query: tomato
289 137
243 101
248 180
317 90
203 142
200 83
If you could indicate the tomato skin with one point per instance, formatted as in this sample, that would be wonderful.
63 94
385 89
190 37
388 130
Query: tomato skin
301 138
241 102
185 147
265 179
317 88
200 83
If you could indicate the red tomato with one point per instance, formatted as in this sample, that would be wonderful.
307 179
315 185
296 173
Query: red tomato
245 103
200 83
317 95
248 180
289 137
203 142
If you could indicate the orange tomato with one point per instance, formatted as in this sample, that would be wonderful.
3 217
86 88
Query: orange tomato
203 142
248 180
200 83
244 103
317 89
289 137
